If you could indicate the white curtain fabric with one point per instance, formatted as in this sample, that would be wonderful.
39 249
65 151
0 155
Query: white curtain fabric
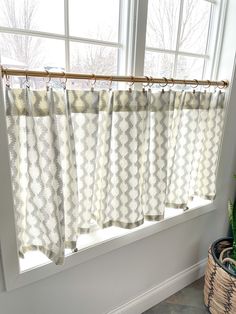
106 157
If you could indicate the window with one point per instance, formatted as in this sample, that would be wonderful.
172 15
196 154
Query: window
177 38
154 37
65 41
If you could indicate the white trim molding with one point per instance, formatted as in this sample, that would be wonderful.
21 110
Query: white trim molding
14 279
162 291
134 17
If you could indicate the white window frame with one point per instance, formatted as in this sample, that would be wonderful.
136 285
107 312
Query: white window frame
210 55
133 56
67 38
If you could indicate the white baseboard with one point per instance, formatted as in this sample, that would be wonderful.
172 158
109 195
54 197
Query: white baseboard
162 291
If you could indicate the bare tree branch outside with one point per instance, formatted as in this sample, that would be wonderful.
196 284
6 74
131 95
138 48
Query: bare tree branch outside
25 49
163 20
162 33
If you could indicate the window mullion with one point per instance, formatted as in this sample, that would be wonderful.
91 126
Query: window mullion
123 36
218 25
131 25
138 36
184 53
206 61
178 37
67 43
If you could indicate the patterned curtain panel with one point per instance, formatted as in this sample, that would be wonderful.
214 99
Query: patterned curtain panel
106 157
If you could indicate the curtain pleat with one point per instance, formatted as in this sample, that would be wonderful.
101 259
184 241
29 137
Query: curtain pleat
85 158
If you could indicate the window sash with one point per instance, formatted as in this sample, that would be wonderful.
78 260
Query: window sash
131 38
209 54
130 24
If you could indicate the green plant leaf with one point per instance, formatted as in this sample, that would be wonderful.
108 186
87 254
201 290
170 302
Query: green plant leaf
232 220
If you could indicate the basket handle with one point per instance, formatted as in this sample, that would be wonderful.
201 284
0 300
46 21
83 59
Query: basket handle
230 260
221 258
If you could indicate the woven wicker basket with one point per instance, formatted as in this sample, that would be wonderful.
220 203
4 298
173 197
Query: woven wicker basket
220 283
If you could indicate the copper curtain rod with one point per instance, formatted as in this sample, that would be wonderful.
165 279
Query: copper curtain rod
130 79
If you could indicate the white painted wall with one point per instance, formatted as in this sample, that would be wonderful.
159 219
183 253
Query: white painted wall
108 281
112 279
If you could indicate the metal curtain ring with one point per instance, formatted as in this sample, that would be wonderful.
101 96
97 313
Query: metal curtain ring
63 83
64 74
222 87
151 81
172 80
130 83
27 83
209 84
49 77
147 84
94 79
93 83
7 78
111 81
196 84
184 84
166 82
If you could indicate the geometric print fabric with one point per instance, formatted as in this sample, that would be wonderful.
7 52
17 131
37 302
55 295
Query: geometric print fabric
106 157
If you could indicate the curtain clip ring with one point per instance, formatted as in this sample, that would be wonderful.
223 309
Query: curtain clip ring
183 89
146 85
63 83
172 82
165 84
151 83
7 77
195 86
221 84
131 83
110 84
207 86
27 82
49 80
92 84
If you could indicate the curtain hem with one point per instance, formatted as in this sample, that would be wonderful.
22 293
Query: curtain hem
125 225
176 205
59 260
206 197
154 217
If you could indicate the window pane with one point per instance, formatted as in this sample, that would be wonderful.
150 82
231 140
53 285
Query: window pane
189 67
94 19
158 64
31 52
33 14
162 23
97 59
195 25
86 58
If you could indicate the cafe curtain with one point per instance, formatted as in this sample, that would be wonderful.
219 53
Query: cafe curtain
111 158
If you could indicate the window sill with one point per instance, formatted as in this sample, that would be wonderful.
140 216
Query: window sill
103 243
